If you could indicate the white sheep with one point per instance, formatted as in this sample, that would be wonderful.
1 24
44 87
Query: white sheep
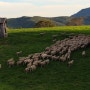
22 58
43 55
36 59
47 48
30 56
49 56
27 61
29 64
53 52
11 63
42 63
42 34
18 53
39 62
47 52
32 68
19 62
35 63
63 58
83 53
10 60
55 58
27 69
47 61
70 63
68 55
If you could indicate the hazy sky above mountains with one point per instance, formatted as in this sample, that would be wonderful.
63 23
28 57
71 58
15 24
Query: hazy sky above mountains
46 8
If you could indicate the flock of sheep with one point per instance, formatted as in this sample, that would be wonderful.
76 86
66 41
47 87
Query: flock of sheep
59 51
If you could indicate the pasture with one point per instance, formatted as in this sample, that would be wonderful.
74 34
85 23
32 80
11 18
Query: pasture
55 75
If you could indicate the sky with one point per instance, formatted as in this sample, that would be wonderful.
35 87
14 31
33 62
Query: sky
45 8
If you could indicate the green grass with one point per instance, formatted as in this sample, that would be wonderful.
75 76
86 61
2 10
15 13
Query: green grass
56 75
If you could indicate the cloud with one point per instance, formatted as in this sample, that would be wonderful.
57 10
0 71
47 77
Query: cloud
57 2
10 9
50 2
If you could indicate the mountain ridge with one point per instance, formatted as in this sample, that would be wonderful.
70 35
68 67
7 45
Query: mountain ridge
29 22
82 13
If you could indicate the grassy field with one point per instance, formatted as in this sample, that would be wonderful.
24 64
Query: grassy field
54 76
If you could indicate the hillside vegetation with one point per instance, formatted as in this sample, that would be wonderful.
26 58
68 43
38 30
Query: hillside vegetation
55 75
29 22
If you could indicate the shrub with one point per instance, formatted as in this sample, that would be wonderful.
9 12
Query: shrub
45 23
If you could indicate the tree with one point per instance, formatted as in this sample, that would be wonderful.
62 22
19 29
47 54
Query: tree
45 23
75 22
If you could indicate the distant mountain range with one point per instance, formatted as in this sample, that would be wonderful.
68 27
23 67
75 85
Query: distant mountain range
82 13
29 22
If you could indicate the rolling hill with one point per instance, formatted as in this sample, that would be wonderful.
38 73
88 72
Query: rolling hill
29 22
